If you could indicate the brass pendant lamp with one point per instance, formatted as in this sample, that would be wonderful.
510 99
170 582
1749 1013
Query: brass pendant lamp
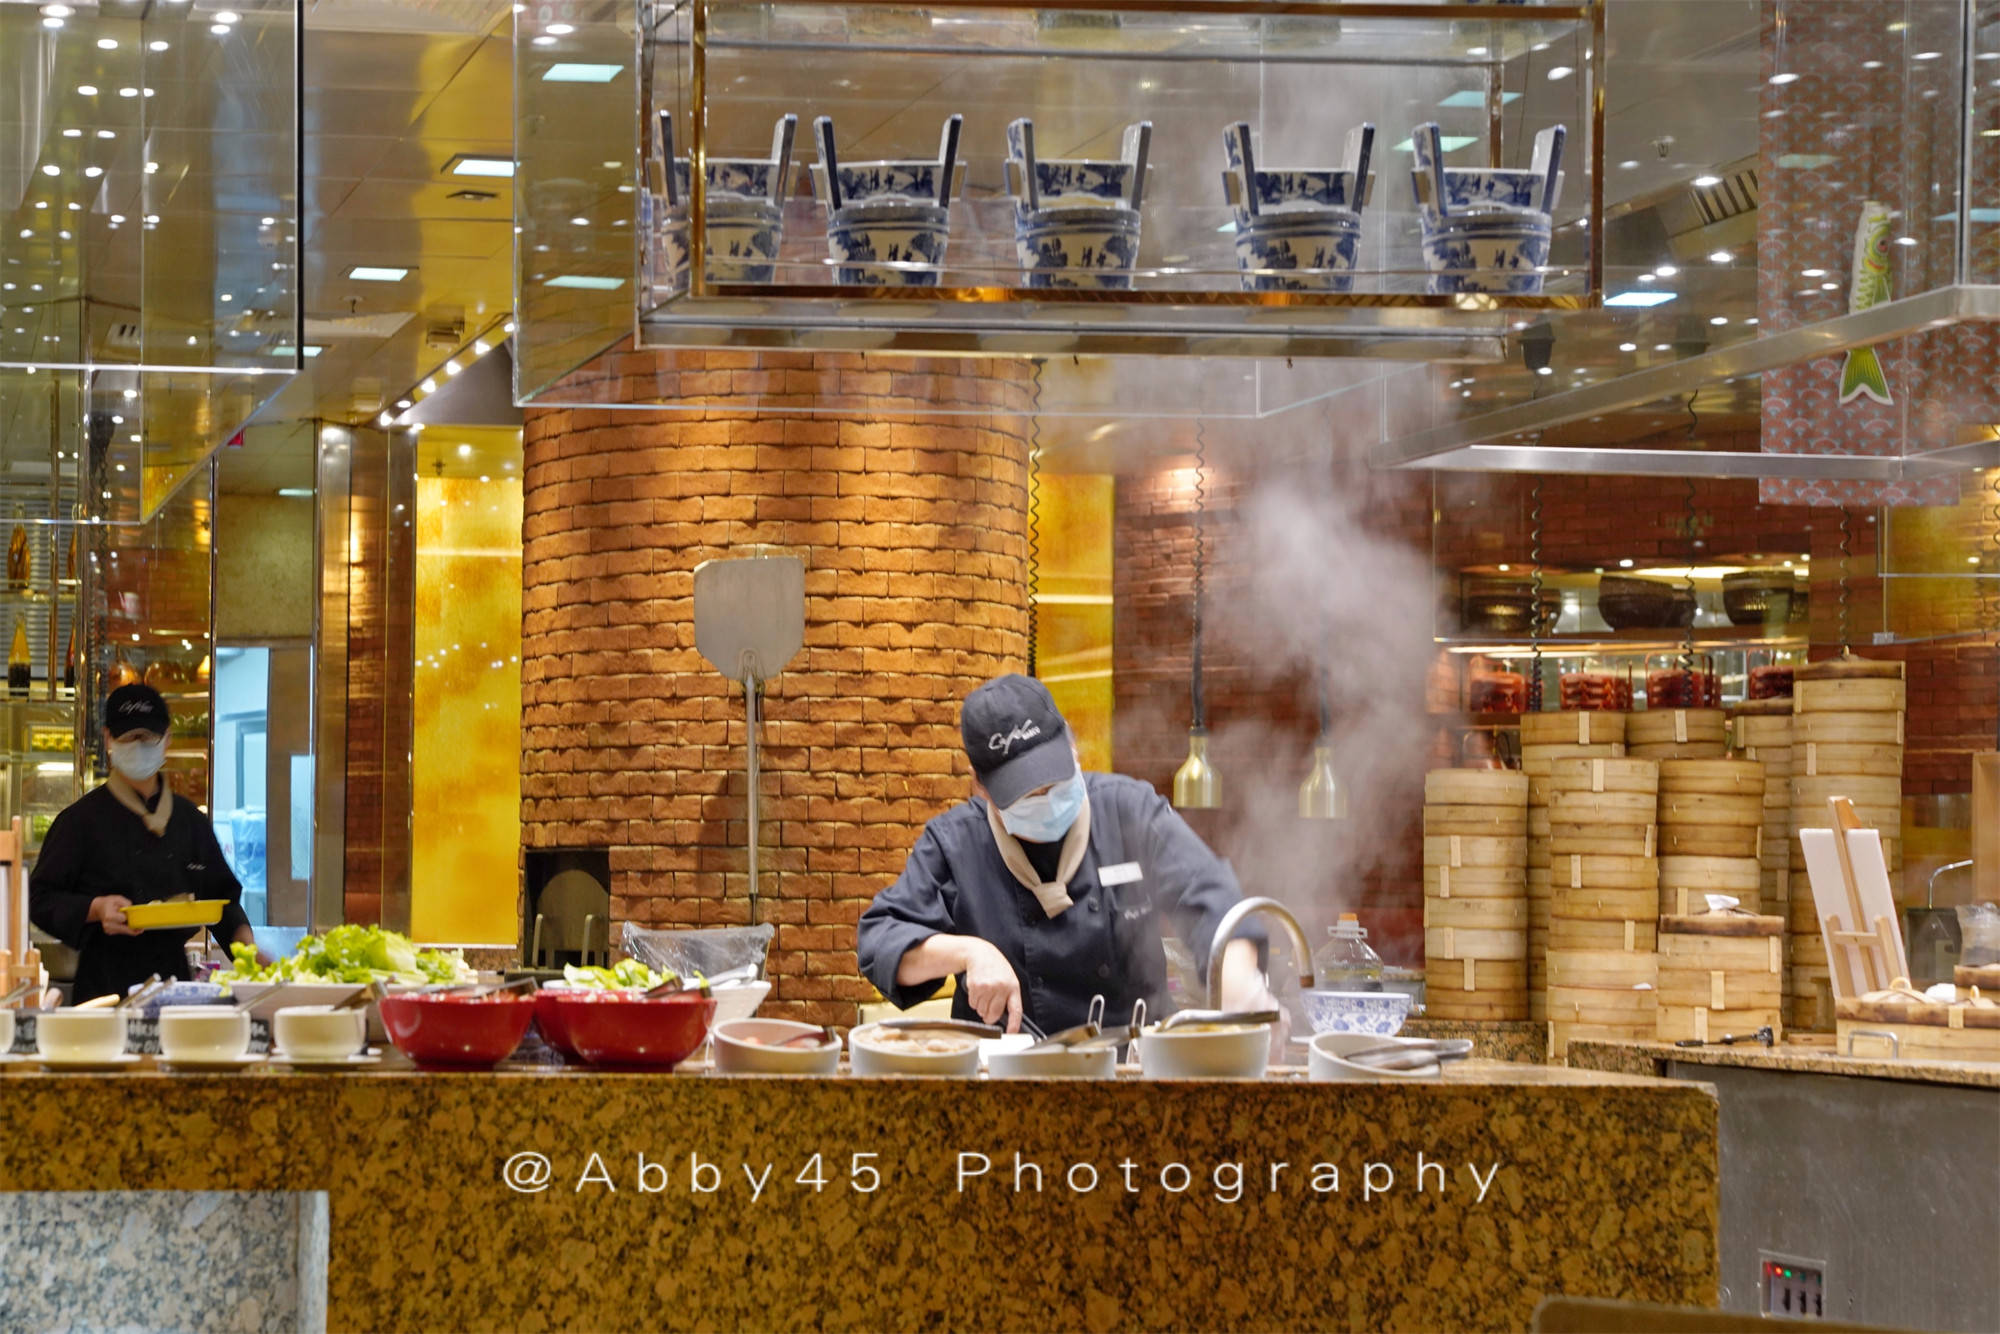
1196 785
1322 796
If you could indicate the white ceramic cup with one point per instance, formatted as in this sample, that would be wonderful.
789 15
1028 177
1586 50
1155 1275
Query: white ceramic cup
319 1032
204 1032
81 1035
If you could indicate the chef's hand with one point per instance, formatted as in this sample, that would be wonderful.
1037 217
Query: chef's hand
990 984
246 936
108 911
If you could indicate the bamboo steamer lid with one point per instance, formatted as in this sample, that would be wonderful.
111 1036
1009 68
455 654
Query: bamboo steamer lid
1457 851
1701 808
1712 875
1764 731
1882 759
1669 750
1682 840
1567 933
1677 727
1482 1005
1580 728
1603 968
1475 787
1568 1004
1847 666
1537 760
1601 774
1475 882
1477 914
1450 942
1683 901
1478 821
1849 696
1614 840
1568 806
1885 793
1478 975
1851 729
1722 778
1678 1023
1580 871
1604 905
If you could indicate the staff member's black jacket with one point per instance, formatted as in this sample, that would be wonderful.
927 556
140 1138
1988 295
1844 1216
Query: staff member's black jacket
1107 942
98 847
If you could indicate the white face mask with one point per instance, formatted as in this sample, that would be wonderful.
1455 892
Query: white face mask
138 761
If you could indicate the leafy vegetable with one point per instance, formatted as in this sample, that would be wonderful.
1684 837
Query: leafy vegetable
624 975
351 954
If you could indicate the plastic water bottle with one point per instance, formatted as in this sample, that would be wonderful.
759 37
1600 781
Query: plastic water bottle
1345 963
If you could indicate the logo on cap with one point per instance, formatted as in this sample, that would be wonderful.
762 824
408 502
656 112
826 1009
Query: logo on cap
1025 730
135 706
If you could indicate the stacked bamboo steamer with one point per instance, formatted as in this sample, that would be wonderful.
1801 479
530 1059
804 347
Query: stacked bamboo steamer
1677 734
1475 894
1711 818
1761 730
1546 738
1847 741
1720 973
1604 900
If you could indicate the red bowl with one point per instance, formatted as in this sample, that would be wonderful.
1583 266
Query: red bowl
555 1029
456 1029
618 1028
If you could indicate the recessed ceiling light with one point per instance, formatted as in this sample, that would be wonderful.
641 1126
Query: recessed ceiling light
1718 319
87 89
1558 72
377 273
1829 287
1906 240
107 134
219 29
579 222
472 164
107 43
72 134
152 167
1921 55
227 17
1663 347
93 173
295 492
1871 64
559 29
569 71
545 41
128 92
1721 257
51 169
1665 271
452 368
429 385
1638 298
1812 273
156 45
1705 182
1782 79
1628 347
57 11
1751 320
589 282
1629 164
1544 370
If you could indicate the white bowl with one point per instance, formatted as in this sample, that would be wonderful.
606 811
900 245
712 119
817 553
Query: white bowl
81 1035
204 1032
735 1056
1325 1063
1097 1063
263 999
1380 1013
870 1059
319 1032
1239 1051
739 1000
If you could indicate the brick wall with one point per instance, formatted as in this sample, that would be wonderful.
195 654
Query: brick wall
914 538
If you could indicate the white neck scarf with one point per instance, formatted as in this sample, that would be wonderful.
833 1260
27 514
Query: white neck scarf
1053 896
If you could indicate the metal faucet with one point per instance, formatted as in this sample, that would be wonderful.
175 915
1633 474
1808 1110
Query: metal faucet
1225 932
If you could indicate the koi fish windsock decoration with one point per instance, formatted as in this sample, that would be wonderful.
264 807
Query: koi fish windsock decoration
1861 372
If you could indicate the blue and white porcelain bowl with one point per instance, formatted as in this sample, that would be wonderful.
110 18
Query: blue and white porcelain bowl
888 244
1380 1013
1078 182
1303 189
909 181
1497 189
1085 246
741 239
743 177
1300 251
1502 254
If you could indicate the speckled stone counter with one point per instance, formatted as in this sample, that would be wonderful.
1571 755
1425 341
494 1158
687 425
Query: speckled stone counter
240 1262
538 1201
1650 1058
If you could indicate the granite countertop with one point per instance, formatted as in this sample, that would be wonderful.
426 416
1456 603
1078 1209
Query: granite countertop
1819 1058
644 1208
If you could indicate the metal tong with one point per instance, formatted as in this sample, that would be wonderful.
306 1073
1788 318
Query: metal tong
1763 1035
947 1025
1414 1054
1183 1017
1118 1035
1073 1036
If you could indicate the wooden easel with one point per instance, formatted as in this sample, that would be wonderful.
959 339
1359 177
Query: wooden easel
1876 943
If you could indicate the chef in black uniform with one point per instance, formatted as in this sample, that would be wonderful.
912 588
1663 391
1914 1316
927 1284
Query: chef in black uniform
1050 885
130 841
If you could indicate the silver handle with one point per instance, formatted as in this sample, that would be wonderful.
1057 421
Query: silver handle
1895 1043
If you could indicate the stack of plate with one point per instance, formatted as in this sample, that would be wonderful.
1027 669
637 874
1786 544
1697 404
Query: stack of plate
1475 894
1847 741
1546 738
1711 833
1604 903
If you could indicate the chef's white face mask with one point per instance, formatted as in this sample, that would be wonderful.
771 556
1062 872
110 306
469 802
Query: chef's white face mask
1044 817
138 761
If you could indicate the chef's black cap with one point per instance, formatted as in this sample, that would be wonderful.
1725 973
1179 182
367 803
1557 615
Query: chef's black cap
135 708
1015 737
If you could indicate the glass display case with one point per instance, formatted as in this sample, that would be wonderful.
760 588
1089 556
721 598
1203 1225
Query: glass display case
1117 177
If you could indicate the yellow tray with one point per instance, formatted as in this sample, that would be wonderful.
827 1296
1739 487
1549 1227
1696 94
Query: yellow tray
159 916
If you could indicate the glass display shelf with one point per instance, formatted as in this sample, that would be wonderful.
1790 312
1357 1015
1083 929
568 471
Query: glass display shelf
1127 104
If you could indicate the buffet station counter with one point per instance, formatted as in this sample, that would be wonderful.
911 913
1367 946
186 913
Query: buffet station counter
547 1198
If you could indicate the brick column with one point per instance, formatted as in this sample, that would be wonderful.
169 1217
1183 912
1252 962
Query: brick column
913 533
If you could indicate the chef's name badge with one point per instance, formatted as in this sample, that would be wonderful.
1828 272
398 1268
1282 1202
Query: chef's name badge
1123 873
